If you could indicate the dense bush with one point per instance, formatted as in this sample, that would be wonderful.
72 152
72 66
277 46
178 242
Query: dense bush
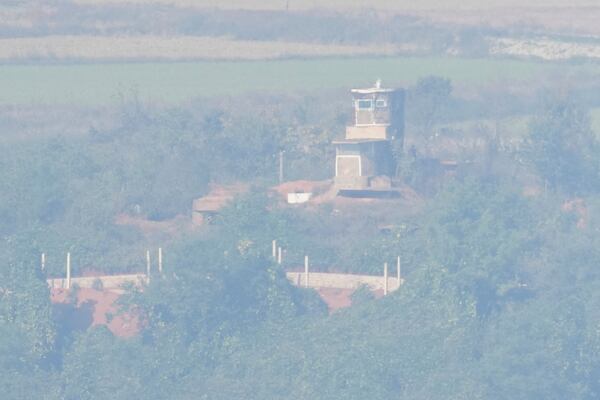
501 295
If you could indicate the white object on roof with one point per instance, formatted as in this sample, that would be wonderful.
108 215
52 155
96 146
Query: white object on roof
298 198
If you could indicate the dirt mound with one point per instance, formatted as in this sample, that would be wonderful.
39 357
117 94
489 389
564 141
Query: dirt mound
94 307
218 197
408 193
336 298
170 228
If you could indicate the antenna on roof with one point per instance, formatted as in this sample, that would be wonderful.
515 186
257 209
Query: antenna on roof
378 84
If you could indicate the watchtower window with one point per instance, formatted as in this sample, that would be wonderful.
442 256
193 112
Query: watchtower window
381 103
365 104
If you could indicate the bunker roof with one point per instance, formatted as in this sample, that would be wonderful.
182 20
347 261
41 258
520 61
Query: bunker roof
357 141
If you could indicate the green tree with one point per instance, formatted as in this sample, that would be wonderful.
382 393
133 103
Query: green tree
563 149
25 303
101 366
27 331
22 375
427 103
482 233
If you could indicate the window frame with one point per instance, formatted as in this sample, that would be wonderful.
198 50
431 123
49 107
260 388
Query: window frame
359 101
381 103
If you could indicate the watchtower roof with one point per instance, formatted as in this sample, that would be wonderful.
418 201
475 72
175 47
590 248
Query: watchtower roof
375 89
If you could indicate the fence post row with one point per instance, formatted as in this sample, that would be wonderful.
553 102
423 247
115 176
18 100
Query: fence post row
277 253
66 283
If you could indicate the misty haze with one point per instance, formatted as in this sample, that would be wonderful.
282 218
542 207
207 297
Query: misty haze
299 200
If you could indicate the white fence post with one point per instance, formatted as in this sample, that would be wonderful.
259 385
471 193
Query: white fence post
69 270
160 260
305 271
148 266
385 279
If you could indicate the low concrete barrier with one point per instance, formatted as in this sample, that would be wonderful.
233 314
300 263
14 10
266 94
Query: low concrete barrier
317 280
110 282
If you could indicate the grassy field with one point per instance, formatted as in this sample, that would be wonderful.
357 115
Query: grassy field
96 84
172 48
574 16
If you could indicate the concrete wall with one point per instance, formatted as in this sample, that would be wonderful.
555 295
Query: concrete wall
110 282
316 280
367 132
352 182
319 280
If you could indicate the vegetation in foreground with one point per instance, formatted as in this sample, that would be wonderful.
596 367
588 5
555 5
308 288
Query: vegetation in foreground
500 301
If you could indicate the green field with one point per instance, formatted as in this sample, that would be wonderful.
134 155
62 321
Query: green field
95 84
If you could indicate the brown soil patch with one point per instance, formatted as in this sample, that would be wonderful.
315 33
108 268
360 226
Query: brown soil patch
218 197
97 307
337 299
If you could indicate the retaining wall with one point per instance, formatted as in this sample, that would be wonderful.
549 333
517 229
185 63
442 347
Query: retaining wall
319 280
108 281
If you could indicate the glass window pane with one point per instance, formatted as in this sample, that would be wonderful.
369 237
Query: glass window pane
365 104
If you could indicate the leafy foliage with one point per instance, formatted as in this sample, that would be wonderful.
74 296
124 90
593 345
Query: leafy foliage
564 150
500 300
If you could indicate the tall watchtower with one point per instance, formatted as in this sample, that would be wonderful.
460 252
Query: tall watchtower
365 153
